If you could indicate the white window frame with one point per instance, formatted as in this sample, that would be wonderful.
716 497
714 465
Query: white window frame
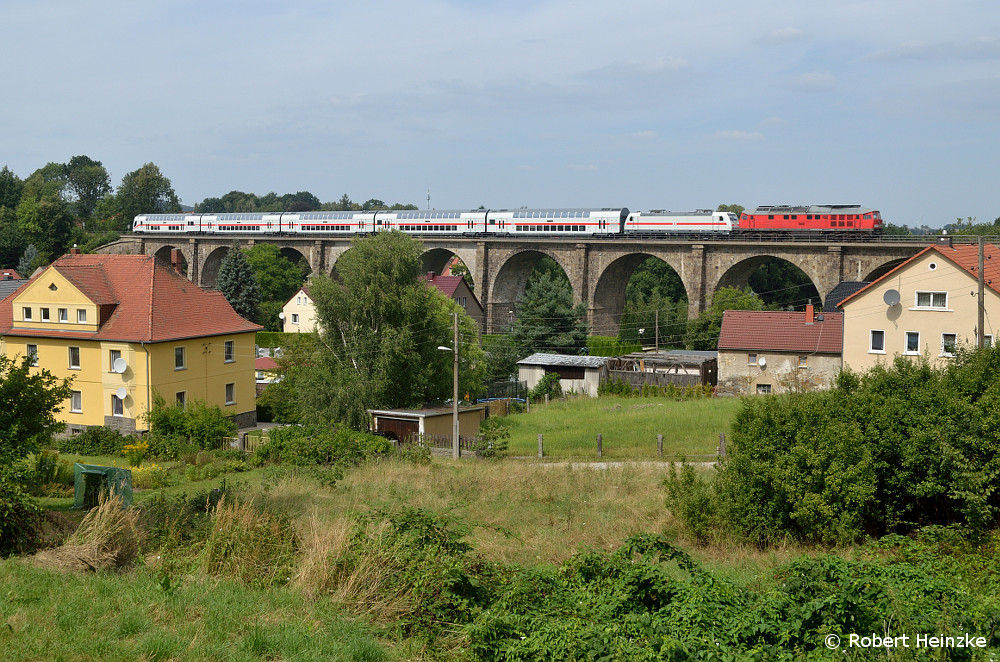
81 315
71 357
295 318
76 402
230 351
871 344
180 397
182 355
929 306
988 340
117 405
63 314
906 343
112 355
954 344
26 313
231 393
43 314
32 351
751 359
764 389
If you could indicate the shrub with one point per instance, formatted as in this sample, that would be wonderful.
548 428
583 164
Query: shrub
548 385
95 441
314 444
197 423
20 517
494 439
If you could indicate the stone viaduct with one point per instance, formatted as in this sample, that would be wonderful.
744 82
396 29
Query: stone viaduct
599 269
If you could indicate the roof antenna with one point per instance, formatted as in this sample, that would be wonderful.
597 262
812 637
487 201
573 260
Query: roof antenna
428 199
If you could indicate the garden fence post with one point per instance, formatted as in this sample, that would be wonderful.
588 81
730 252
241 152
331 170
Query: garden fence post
600 444
722 444
539 444
659 445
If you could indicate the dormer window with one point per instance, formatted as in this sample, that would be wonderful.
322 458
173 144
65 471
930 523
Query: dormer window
45 314
63 315
26 313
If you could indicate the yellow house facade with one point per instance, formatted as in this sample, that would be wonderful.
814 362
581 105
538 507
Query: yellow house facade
926 306
299 313
124 328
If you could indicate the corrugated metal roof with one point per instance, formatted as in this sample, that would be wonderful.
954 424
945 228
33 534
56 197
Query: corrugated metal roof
564 359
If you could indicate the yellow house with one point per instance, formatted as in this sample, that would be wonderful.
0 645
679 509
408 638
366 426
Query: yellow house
926 306
125 327
299 313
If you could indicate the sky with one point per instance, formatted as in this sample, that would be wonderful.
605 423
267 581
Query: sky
646 104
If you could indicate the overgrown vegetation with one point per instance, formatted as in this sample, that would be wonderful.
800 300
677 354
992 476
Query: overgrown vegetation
177 429
890 451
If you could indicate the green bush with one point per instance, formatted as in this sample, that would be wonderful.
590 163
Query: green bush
621 389
548 385
889 451
314 444
96 441
20 517
197 424
494 437
611 346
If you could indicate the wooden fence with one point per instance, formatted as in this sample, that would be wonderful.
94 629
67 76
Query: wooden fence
638 379
247 443
442 441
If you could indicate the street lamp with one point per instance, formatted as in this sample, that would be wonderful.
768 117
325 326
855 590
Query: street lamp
455 451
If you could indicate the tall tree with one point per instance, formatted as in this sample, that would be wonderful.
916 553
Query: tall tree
30 260
734 208
703 331
144 191
237 283
10 188
546 319
88 181
43 216
380 332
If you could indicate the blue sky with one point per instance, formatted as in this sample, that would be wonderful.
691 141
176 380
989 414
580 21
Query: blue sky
646 104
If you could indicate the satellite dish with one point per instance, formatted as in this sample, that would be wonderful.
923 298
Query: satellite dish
121 392
119 365
281 316
762 362
891 297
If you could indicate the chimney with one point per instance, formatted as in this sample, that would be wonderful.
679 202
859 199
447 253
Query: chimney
809 314
430 275
74 251
175 260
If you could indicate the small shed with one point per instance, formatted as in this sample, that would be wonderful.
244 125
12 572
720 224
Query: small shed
577 374
677 367
435 422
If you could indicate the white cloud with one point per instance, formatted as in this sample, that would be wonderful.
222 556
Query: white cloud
738 136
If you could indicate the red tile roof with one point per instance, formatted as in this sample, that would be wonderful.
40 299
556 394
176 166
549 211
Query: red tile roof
147 301
778 331
265 363
446 284
964 256
9 272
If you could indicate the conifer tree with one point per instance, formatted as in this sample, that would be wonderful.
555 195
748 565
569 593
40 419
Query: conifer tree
237 283
547 320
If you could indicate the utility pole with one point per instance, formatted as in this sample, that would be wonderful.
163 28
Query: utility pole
657 341
981 340
455 450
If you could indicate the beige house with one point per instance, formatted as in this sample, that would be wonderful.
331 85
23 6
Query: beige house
763 352
299 313
926 306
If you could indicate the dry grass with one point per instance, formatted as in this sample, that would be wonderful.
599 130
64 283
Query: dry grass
251 545
108 538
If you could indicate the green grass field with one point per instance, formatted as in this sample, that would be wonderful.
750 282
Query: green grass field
629 427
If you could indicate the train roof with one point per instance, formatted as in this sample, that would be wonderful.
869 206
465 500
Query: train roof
813 209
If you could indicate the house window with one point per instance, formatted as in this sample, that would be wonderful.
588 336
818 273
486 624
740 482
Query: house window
230 351
295 318
763 389
45 314
948 343
298 301
803 361
932 300
877 342
230 394
63 315
74 358
26 312
32 351
912 342
76 402
117 406
113 355
180 397
81 316
987 340
180 362
751 359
